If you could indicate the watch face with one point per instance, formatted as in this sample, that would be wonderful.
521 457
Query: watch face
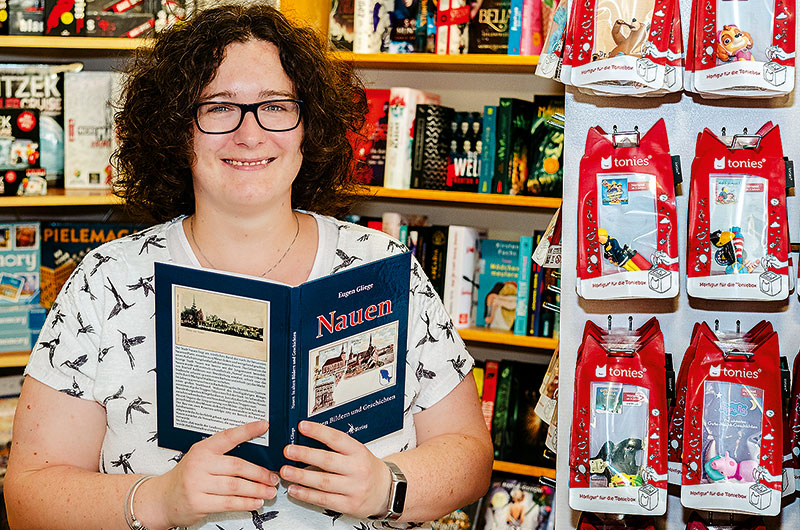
399 500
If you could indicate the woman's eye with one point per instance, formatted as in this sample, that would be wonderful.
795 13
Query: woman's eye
214 109
274 107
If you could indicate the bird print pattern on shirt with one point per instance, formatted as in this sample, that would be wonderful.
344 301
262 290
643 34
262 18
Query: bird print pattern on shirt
112 293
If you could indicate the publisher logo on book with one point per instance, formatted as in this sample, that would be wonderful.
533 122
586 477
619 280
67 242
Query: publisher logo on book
352 429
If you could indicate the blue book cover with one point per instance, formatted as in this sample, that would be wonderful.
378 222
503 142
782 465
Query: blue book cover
487 149
525 252
497 284
19 263
233 349
515 28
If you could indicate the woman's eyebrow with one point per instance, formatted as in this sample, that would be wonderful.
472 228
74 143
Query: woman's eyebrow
227 95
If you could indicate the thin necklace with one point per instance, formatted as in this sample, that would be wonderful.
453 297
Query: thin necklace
203 254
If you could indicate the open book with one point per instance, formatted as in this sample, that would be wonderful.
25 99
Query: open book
233 349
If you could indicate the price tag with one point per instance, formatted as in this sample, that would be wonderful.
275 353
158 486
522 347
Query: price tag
553 260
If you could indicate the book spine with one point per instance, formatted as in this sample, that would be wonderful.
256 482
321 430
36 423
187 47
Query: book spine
489 392
418 145
488 30
534 291
521 317
487 149
452 270
501 407
515 28
442 29
363 28
477 374
502 142
402 108
431 146
293 369
464 296
526 27
437 253
340 24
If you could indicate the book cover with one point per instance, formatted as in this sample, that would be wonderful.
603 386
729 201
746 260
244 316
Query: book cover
515 503
525 430
487 149
464 164
370 144
488 27
403 103
19 263
431 146
452 27
498 273
16 92
331 350
371 26
489 391
89 115
403 20
340 24
462 257
502 405
461 519
514 118
521 317
545 175
20 154
64 245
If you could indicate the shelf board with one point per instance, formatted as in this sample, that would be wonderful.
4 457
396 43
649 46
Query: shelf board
444 63
492 199
71 43
62 197
524 469
14 359
507 338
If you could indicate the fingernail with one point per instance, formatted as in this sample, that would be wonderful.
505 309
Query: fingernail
274 479
291 490
290 451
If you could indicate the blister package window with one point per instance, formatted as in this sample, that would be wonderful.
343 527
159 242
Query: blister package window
744 48
618 434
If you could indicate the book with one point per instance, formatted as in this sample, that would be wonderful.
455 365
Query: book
550 303
89 116
502 405
464 164
403 21
371 26
403 103
515 27
514 118
10 387
521 316
19 263
425 41
436 257
462 257
477 374
452 27
489 391
488 28
531 28
487 149
431 146
64 245
546 164
340 24
534 293
233 349
370 145
461 519
524 441
498 274
515 502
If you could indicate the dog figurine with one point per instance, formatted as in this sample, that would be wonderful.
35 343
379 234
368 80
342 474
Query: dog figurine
733 44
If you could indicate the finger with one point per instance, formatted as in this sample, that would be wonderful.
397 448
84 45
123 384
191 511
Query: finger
337 440
331 501
224 441
229 486
327 460
318 480
232 466
229 503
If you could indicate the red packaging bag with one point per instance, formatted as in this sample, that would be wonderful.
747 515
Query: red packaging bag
732 446
738 241
627 223
618 459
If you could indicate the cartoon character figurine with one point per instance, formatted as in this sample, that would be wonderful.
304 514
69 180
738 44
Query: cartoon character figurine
731 253
733 44
724 467
621 256
620 463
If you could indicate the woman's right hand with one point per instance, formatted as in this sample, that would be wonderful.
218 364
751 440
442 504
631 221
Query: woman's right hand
207 481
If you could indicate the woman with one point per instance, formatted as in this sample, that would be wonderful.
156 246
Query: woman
231 124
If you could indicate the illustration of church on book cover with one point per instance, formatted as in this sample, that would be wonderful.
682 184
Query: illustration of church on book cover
359 365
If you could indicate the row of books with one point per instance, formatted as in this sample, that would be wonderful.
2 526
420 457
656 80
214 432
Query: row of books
411 140
513 27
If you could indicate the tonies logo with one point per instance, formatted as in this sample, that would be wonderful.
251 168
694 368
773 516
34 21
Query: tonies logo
719 370
605 371
609 162
722 163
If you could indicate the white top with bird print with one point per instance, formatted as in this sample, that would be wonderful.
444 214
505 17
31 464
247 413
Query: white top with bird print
98 343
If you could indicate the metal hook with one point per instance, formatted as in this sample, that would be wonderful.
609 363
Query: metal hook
716 324
609 322
630 323
738 327
723 131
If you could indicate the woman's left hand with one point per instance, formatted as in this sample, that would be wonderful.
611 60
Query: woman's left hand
347 479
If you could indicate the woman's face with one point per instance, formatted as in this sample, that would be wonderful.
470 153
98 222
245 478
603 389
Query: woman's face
249 167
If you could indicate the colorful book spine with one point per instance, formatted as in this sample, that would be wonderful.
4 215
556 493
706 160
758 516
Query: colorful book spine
489 392
531 31
534 292
403 31
426 27
462 256
403 103
371 26
452 27
487 149
515 28
436 255
340 24
514 119
502 403
432 135
497 284
463 168
525 252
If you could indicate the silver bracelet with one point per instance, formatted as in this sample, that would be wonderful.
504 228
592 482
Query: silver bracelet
130 518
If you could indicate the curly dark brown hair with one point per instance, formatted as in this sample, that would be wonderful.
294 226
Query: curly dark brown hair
154 125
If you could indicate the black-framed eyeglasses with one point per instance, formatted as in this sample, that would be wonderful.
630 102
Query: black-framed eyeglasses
222 117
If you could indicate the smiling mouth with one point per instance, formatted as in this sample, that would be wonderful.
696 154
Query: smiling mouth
246 163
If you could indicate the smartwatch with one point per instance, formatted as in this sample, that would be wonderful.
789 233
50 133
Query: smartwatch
397 494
